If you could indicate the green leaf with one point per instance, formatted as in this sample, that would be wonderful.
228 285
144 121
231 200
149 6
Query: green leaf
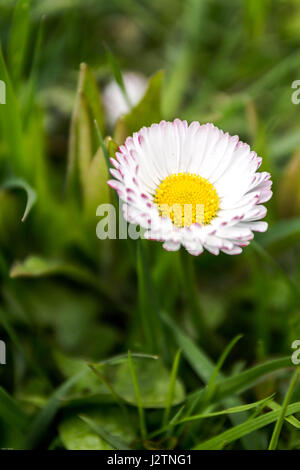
31 84
87 385
45 416
245 428
72 145
104 429
281 231
91 91
153 379
97 383
10 120
37 266
11 413
84 141
18 38
96 189
110 439
18 183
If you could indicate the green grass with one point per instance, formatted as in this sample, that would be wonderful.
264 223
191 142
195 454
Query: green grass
210 338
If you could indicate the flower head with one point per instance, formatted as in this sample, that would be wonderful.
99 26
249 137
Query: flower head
192 185
113 98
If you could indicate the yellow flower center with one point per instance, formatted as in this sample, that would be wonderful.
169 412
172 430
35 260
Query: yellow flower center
187 199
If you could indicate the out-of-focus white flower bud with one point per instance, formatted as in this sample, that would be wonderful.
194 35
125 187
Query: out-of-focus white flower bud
113 99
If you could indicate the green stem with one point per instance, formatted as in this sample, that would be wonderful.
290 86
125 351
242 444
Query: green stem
145 300
138 397
191 293
149 306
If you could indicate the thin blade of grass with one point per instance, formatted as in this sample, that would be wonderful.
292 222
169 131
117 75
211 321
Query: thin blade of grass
235 409
245 380
170 394
279 423
219 365
123 358
211 383
199 362
245 428
290 419
204 368
175 421
113 441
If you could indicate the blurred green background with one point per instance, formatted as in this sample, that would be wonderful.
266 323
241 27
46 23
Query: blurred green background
69 299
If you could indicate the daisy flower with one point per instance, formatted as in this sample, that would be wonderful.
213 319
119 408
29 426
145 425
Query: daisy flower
113 99
163 169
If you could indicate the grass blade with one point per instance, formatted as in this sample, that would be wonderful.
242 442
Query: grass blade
235 409
113 441
219 365
279 423
290 419
170 394
199 362
245 428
